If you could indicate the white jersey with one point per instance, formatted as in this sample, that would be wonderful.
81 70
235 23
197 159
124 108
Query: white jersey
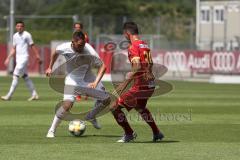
21 42
79 65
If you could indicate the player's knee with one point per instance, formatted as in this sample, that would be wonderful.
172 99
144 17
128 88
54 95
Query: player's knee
67 105
61 112
63 109
116 110
25 76
15 76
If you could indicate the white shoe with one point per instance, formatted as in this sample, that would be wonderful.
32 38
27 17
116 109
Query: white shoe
128 138
95 124
5 98
34 97
50 134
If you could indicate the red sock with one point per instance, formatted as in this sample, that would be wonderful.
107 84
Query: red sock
147 117
78 98
122 121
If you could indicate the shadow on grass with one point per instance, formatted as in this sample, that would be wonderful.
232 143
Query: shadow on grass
85 136
117 136
102 135
164 141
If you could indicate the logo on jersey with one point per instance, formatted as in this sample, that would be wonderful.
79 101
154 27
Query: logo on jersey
143 46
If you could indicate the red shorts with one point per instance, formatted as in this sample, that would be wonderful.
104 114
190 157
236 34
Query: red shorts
135 97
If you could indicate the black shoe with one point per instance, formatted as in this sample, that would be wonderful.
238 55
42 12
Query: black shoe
157 137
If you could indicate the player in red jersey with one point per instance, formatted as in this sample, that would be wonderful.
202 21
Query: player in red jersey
142 88
78 26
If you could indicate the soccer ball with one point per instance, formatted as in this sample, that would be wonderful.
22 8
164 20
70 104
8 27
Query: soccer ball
77 127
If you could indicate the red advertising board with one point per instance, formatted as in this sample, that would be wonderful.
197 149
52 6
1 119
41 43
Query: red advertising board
199 61
190 61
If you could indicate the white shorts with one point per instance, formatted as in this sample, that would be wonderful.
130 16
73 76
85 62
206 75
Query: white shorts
20 68
73 88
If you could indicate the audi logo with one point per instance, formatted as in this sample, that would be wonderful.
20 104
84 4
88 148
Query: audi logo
223 61
175 60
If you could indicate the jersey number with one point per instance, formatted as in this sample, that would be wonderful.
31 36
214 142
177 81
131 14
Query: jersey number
147 56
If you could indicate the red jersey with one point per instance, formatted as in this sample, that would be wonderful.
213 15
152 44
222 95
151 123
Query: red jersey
140 50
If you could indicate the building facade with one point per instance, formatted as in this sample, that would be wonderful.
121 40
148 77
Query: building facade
218 25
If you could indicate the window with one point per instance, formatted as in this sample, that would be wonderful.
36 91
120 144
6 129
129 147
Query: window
205 14
218 14
218 46
233 8
233 45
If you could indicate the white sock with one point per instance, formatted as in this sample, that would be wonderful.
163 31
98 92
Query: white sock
55 123
30 86
13 86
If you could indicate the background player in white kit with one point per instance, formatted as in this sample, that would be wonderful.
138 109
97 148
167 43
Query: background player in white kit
21 41
77 54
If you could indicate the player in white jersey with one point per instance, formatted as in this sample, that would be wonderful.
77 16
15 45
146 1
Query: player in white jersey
21 41
80 58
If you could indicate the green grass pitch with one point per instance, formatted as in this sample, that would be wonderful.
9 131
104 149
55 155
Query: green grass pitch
200 121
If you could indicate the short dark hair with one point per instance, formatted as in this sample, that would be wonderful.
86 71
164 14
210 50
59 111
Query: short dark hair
78 35
20 22
130 27
79 23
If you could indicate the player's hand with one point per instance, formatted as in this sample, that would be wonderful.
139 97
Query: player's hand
121 87
6 62
129 75
48 72
92 85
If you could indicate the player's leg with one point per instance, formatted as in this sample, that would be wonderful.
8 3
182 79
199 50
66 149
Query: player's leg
60 114
98 107
18 71
102 101
99 94
122 121
13 87
148 118
30 86
91 116
125 100
75 87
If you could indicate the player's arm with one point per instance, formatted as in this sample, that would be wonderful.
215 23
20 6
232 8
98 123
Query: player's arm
100 74
53 58
33 47
11 54
97 62
136 66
